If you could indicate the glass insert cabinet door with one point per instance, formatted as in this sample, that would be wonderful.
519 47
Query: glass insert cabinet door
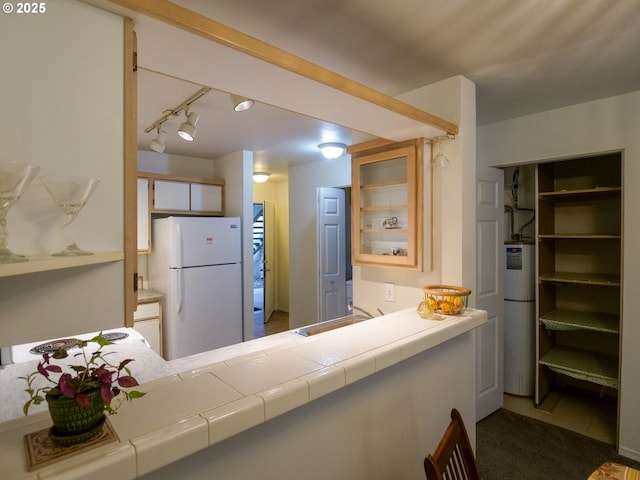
387 194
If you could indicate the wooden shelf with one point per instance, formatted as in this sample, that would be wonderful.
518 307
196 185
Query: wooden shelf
383 208
569 320
370 186
384 230
579 236
580 193
582 278
579 225
581 364
42 263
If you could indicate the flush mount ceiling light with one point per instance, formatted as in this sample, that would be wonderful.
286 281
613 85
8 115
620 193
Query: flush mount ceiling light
240 104
187 130
158 144
261 177
332 150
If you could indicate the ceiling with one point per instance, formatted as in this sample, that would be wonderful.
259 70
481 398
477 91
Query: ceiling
524 56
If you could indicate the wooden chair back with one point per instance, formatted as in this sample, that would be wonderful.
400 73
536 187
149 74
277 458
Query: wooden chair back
453 459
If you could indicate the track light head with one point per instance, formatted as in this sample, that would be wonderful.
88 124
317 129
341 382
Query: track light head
240 104
158 144
187 130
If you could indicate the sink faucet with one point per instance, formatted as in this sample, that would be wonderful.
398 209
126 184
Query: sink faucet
353 307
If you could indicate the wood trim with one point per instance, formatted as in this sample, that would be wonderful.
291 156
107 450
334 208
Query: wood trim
373 152
178 178
130 159
209 29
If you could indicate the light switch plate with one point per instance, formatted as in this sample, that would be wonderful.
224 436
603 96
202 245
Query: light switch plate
389 292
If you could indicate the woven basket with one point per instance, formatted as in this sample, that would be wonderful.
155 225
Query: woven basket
448 299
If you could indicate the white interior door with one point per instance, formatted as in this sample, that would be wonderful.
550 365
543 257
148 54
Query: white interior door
269 259
489 297
331 253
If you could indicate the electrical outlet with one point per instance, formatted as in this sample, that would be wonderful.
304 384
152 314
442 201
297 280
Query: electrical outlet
389 292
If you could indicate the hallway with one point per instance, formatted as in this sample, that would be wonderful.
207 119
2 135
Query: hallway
279 321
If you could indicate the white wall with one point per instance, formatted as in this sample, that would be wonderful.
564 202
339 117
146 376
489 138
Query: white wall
170 164
61 96
604 125
450 230
237 171
303 269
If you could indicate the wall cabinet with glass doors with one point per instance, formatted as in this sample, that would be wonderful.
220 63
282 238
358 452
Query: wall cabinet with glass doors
387 200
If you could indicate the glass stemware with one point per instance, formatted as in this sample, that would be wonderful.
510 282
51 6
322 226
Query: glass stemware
440 159
70 195
15 177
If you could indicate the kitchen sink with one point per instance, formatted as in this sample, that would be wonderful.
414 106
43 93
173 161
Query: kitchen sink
329 325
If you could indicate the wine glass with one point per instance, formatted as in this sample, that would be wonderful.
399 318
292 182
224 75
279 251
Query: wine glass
440 159
15 177
70 194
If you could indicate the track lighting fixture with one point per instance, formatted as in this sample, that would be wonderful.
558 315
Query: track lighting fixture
240 104
158 144
261 177
187 130
332 150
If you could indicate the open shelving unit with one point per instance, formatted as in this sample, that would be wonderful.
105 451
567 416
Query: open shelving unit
579 232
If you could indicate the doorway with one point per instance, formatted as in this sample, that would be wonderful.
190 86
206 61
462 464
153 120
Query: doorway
334 252
259 263
267 320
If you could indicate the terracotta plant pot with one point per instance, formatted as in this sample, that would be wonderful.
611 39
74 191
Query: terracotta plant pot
72 423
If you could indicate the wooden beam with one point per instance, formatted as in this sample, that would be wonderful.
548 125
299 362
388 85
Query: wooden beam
209 29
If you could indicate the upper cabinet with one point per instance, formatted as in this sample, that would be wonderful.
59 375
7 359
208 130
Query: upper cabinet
387 199
185 195
169 194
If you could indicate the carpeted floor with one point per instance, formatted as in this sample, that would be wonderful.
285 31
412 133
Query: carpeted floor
510 446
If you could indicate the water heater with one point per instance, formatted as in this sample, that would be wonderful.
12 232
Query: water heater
519 318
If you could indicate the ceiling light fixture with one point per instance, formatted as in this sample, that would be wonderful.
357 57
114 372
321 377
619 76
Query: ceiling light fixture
187 130
240 104
332 150
261 177
158 144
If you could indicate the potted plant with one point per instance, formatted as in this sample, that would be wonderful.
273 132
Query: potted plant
78 395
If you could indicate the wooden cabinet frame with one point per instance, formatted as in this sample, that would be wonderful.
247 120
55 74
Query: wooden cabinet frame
367 156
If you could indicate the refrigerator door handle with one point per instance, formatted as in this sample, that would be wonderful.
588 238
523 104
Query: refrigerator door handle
179 282
180 248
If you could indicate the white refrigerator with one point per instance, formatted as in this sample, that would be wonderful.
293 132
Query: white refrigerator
195 262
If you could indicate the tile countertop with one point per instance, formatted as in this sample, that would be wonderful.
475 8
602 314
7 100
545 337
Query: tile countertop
221 393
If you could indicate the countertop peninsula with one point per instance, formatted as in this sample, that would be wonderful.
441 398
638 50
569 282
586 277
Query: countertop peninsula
213 397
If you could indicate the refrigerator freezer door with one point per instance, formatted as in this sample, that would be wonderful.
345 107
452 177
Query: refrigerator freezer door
197 241
207 315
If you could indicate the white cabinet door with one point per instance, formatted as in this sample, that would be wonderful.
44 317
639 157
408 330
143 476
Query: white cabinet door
169 195
143 215
150 329
206 198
